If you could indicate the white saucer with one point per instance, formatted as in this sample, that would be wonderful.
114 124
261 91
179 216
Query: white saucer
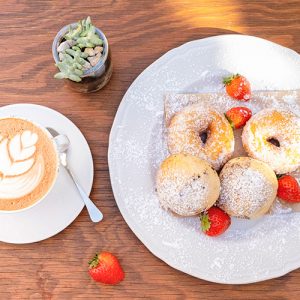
63 204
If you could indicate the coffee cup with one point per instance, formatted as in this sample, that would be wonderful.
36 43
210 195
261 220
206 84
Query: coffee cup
29 164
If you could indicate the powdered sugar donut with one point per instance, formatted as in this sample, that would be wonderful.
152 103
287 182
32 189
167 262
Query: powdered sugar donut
248 187
273 136
186 128
187 185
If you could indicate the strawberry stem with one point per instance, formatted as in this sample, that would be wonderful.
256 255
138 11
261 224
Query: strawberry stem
230 122
227 80
93 263
205 223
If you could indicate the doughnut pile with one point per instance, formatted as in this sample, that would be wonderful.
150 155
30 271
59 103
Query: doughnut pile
201 140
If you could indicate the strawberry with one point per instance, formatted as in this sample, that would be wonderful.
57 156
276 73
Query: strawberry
237 87
288 189
215 221
105 268
238 116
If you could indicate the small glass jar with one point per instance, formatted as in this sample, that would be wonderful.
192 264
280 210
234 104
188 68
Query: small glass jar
94 78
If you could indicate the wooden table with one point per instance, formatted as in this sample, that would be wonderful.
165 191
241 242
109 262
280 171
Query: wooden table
139 33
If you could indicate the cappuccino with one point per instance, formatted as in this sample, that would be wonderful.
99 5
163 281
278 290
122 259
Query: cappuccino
28 163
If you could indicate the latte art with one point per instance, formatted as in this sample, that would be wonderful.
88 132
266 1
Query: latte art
20 171
28 163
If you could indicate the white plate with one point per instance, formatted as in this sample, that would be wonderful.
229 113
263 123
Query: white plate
63 204
249 251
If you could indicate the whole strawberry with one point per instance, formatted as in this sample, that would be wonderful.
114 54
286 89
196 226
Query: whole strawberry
105 268
238 116
288 189
214 221
237 87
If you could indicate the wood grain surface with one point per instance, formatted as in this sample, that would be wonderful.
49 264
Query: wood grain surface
139 32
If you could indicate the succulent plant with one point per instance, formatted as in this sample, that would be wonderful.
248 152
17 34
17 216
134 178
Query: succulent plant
70 67
73 57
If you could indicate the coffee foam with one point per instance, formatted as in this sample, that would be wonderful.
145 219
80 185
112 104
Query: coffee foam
28 163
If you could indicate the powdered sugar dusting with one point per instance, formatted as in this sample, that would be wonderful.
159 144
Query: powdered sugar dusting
245 190
185 201
250 250
289 100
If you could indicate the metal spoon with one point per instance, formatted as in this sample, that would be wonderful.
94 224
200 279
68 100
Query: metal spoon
63 143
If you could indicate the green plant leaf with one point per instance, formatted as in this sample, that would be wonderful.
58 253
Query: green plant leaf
59 75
